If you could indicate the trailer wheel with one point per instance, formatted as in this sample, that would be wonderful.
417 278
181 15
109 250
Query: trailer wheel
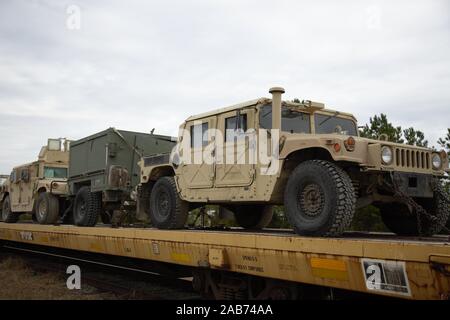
7 215
47 208
87 207
167 210
319 199
253 216
399 220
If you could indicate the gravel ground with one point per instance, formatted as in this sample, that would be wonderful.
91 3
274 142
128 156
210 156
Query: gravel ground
20 282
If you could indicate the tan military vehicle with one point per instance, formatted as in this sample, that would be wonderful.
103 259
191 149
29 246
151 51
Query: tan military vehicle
3 187
316 166
38 188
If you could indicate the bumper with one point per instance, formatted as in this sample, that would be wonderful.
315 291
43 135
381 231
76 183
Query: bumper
415 185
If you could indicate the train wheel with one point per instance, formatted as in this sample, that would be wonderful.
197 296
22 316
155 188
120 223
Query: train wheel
47 208
87 207
168 211
7 215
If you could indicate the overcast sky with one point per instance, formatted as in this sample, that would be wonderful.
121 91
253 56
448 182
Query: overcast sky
139 65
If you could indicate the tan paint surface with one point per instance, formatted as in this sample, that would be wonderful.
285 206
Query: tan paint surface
328 262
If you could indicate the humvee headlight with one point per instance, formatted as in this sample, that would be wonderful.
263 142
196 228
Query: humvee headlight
436 161
350 144
386 155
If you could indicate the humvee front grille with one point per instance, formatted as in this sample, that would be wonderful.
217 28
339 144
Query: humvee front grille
407 158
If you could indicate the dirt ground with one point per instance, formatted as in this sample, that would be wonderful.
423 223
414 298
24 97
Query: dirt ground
18 281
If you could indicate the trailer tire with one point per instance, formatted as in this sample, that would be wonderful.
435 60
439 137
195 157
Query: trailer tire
253 216
399 220
87 207
7 215
47 208
167 209
319 199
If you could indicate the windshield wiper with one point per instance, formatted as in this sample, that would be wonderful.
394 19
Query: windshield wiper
330 117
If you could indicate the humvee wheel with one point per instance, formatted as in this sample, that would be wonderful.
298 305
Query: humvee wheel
7 215
319 199
87 207
167 210
399 220
47 208
253 216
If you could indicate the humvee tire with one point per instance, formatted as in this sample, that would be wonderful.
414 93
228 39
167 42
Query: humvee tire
47 208
167 210
87 207
399 220
319 199
253 216
7 215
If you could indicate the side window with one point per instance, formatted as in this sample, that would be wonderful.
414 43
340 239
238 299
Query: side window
25 175
15 177
265 117
12 176
199 137
234 128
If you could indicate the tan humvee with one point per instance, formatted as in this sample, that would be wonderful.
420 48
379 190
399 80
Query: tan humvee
3 187
317 166
40 187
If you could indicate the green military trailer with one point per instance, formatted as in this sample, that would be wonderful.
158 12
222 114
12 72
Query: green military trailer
103 171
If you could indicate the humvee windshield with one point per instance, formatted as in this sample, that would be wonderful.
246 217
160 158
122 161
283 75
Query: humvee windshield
299 122
291 121
50 172
333 124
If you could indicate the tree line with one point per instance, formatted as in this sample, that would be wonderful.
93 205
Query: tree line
379 125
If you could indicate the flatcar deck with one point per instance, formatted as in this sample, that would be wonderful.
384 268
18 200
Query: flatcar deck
370 263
